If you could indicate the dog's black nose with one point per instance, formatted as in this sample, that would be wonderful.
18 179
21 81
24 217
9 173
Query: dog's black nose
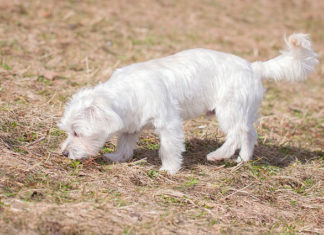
65 153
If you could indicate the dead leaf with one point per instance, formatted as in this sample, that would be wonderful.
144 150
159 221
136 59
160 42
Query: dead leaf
44 13
51 75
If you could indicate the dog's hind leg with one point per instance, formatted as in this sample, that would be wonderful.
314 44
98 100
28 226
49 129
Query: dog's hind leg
171 146
248 139
227 150
243 138
228 120
238 126
125 147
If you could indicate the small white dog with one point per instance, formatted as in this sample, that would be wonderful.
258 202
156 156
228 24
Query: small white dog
161 93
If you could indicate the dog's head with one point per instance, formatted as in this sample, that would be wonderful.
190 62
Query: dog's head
88 121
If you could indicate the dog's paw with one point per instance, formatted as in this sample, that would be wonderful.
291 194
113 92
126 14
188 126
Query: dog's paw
214 156
239 159
170 170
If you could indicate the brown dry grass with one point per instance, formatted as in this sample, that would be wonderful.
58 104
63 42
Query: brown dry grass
49 49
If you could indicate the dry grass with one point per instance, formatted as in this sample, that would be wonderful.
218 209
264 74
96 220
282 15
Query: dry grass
49 49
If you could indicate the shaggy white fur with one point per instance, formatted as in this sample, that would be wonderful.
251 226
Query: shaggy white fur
161 93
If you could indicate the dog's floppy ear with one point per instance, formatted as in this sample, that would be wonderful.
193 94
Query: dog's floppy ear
91 113
114 121
103 118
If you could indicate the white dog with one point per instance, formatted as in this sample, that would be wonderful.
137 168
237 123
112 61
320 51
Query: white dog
161 93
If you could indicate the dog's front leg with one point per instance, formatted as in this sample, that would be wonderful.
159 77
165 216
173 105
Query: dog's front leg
125 147
171 146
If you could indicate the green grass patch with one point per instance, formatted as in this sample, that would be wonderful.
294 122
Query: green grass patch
263 171
44 80
152 174
150 144
56 132
6 66
191 182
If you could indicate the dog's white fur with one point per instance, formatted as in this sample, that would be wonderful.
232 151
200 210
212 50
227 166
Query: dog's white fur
161 93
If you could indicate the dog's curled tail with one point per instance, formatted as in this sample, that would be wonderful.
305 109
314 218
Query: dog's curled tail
294 64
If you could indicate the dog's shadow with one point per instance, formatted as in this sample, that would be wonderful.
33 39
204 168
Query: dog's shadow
197 149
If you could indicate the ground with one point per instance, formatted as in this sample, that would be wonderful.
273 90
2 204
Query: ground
50 49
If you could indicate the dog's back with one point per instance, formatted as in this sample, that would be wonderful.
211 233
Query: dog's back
195 80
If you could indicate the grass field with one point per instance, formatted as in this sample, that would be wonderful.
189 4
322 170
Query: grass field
50 49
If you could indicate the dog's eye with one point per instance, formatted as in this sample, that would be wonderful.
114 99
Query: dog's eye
75 134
